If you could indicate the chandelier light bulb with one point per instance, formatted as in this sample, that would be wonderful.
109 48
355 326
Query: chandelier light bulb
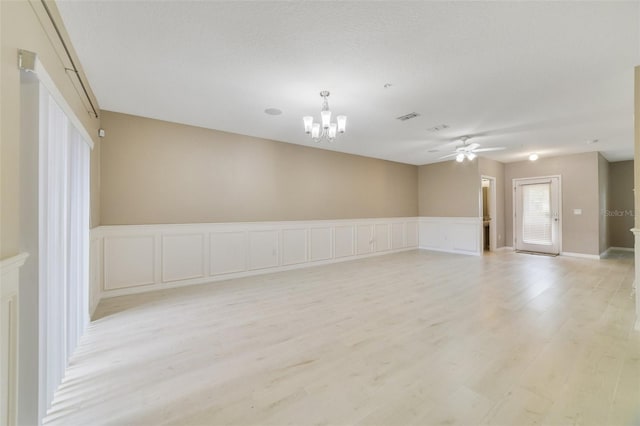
315 131
308 123
460 158
533 157
471 156
333 130
326 119
325 129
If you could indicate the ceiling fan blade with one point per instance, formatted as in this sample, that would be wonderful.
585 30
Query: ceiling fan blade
447 156
498 148
472 146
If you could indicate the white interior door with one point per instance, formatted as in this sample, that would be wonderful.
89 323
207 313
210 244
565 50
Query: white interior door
537 215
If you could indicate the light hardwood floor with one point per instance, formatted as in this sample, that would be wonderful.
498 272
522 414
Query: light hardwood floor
410 338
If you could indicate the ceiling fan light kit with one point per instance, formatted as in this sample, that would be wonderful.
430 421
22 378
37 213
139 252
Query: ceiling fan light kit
325 129
469 152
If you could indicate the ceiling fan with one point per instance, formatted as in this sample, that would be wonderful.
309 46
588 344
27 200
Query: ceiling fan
469 151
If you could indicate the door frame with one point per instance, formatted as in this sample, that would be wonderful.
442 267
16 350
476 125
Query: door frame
493 231
514 206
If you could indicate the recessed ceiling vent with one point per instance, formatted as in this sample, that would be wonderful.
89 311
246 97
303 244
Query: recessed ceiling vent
408 116
438 128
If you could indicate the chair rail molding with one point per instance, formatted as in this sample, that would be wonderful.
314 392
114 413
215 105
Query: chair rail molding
9 335
128 259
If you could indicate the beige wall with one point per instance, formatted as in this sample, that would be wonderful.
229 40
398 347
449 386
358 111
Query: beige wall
580 234
603 202
495 169
452 189
449 189
159 172
22 29
620 204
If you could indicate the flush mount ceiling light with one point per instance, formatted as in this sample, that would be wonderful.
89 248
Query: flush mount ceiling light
533 157
326 129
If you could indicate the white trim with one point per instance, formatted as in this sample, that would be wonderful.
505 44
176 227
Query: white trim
630 249
580 255
493 207
45 79
9 264
225 277
504 248
451 251
460 235
636 235
610 249
9 336
242 249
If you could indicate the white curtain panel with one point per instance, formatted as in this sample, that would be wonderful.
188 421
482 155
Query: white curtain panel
64 240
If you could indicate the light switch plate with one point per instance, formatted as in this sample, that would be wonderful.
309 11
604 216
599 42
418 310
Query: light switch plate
577 211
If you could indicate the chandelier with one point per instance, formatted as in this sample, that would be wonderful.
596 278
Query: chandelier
326 129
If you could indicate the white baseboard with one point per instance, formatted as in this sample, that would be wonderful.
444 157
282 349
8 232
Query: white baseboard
610 249
504 248
441 250
139 258
631 249
580 255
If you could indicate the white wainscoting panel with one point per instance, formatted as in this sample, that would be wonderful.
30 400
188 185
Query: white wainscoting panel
129 261
344 241
382 237
411 232
183 257
397 236
95 270
294 246
364 240
263 249
451 234
9 355
228 252
320 244
135 258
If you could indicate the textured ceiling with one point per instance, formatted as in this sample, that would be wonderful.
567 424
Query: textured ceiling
540 77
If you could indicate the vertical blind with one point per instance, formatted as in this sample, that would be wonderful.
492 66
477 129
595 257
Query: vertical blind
64 240
536 213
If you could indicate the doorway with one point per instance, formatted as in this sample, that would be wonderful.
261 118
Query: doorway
537 222
488 213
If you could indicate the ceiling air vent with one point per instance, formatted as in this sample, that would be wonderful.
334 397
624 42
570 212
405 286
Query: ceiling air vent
438 128
408 116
